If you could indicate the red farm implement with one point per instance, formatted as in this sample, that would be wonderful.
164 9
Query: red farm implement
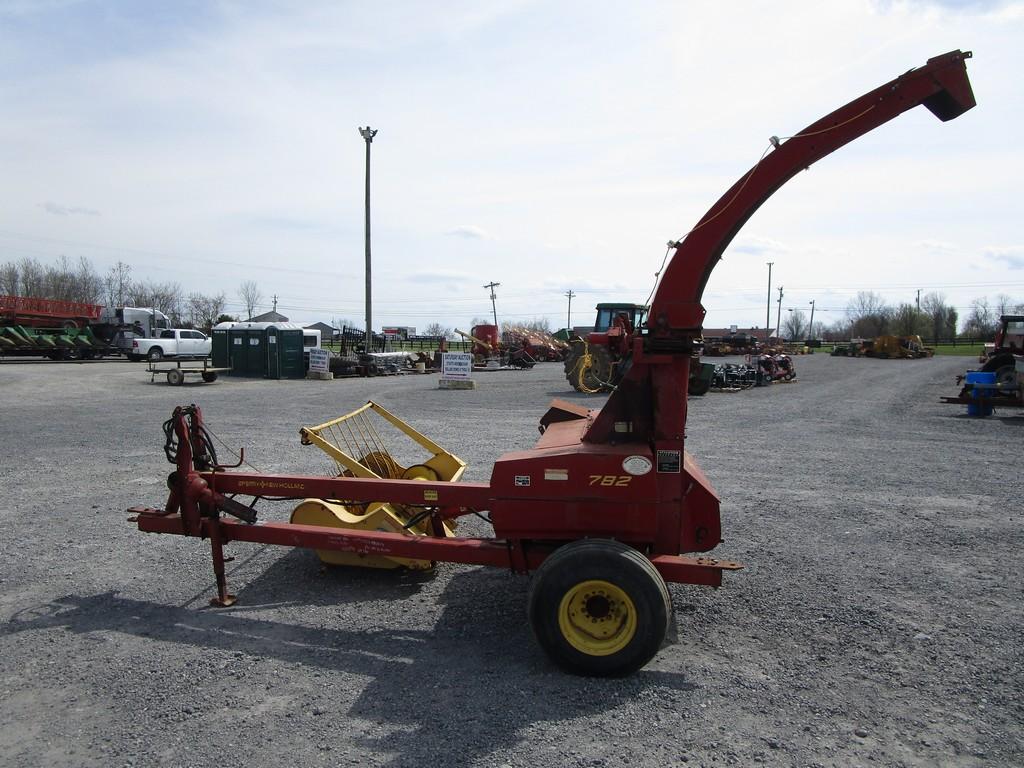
604 507
18 310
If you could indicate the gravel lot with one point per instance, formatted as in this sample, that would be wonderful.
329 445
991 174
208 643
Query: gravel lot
878 621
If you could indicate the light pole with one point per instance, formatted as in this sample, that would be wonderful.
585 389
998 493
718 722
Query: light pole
494 307
568 316
768 312
778 317
367 133
810 329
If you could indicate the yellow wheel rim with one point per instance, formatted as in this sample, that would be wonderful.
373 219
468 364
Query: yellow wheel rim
597 618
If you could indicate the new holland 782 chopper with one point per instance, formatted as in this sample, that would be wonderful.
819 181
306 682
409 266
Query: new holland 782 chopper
602 508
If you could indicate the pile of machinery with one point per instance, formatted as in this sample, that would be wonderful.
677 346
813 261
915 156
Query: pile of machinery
1002 355
598 362
884 347
540 345
490 351
603 509
68 330
735 344
761 371
1000 382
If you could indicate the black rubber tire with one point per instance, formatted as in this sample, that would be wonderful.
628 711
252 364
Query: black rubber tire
209 377
572 358
175 377
596 378
698 386
155 354
609 561
1004 367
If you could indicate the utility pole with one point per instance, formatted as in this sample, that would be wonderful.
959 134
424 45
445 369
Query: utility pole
275 302
768 312
368 135
918 299
568 317
494 308
810 329
778 317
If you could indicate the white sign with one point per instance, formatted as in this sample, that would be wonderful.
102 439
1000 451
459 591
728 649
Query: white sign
318 360
456 365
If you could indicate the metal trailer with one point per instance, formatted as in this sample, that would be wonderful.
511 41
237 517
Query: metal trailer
1004 390
603 507
183 367
60 330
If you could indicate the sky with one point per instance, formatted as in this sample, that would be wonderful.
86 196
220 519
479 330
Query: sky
545 146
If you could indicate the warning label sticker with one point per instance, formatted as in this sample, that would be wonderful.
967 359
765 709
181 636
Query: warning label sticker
522 480
670 461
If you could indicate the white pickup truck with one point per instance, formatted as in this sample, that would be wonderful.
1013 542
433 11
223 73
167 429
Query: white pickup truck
179 343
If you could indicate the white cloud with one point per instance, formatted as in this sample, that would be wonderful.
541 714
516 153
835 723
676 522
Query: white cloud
586 140
1013 256
758 246
67 210
469 231
937 248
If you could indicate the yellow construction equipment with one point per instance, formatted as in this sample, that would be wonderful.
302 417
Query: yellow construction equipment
357 435
902 347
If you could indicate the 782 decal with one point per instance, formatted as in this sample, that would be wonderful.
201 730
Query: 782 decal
611 481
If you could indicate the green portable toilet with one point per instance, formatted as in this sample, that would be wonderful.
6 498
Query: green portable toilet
221 345
268 350
285 351
237 358
255 351
230 347
236 337
273 354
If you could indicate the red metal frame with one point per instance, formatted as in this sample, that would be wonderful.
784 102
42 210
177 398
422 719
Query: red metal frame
620 472
32 310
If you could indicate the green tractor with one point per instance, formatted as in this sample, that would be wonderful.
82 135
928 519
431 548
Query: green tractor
594 364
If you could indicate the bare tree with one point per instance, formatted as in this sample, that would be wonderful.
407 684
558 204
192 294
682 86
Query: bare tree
907 320
1004 305
982 321
203 310
837 331
940 316
869 315
436 329
33 278
166 297
118 283
539 324
10 279
795 326
58 280
251 296
62 280
87 285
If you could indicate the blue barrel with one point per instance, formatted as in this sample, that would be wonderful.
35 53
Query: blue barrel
978 379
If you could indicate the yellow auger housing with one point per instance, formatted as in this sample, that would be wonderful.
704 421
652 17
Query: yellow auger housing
356 435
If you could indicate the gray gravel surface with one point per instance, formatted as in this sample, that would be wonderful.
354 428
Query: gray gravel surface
877 623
